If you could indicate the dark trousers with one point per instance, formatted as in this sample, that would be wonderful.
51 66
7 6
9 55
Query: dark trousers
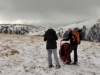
71 48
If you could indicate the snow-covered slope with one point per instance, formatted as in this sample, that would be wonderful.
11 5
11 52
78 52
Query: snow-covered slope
88 23
26 55
90 29
20 29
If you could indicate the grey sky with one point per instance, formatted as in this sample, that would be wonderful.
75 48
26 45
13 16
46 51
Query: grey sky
44 12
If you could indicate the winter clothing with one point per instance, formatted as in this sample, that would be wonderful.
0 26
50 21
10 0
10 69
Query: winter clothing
51 37
50 66
71 48
74 63
54 51
68 63
70 37
58 66
65 34
49 26
51 45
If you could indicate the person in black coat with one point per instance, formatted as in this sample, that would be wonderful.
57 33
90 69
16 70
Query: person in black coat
51 46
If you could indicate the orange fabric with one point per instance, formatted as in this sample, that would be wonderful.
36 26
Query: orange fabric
75 36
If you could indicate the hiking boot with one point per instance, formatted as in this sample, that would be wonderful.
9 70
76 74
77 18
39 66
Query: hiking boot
58 66
68 63
50 66
74 63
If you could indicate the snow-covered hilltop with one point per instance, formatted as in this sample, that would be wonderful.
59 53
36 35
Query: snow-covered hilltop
90 29
19 28
88 23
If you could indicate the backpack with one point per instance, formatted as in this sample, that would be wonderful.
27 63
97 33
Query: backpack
75 37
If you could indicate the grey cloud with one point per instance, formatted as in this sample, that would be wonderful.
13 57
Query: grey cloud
57 12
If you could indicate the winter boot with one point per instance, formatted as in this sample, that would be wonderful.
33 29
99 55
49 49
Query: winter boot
58 66
74 63
68 63
50 66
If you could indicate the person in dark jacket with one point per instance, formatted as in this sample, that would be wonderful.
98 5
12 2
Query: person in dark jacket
51 46
65 35
71 48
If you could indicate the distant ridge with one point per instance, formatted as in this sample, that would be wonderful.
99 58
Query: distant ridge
29 25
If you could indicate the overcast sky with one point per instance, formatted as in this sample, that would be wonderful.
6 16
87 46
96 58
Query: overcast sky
44 12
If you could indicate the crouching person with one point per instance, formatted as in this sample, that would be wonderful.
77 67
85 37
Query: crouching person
51 46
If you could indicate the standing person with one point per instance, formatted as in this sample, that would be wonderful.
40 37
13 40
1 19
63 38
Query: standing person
65 35
51 46
73 46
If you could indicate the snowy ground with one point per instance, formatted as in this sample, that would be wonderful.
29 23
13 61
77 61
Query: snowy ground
26 55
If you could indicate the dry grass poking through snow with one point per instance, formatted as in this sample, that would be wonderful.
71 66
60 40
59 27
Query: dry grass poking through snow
27 55
9 41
